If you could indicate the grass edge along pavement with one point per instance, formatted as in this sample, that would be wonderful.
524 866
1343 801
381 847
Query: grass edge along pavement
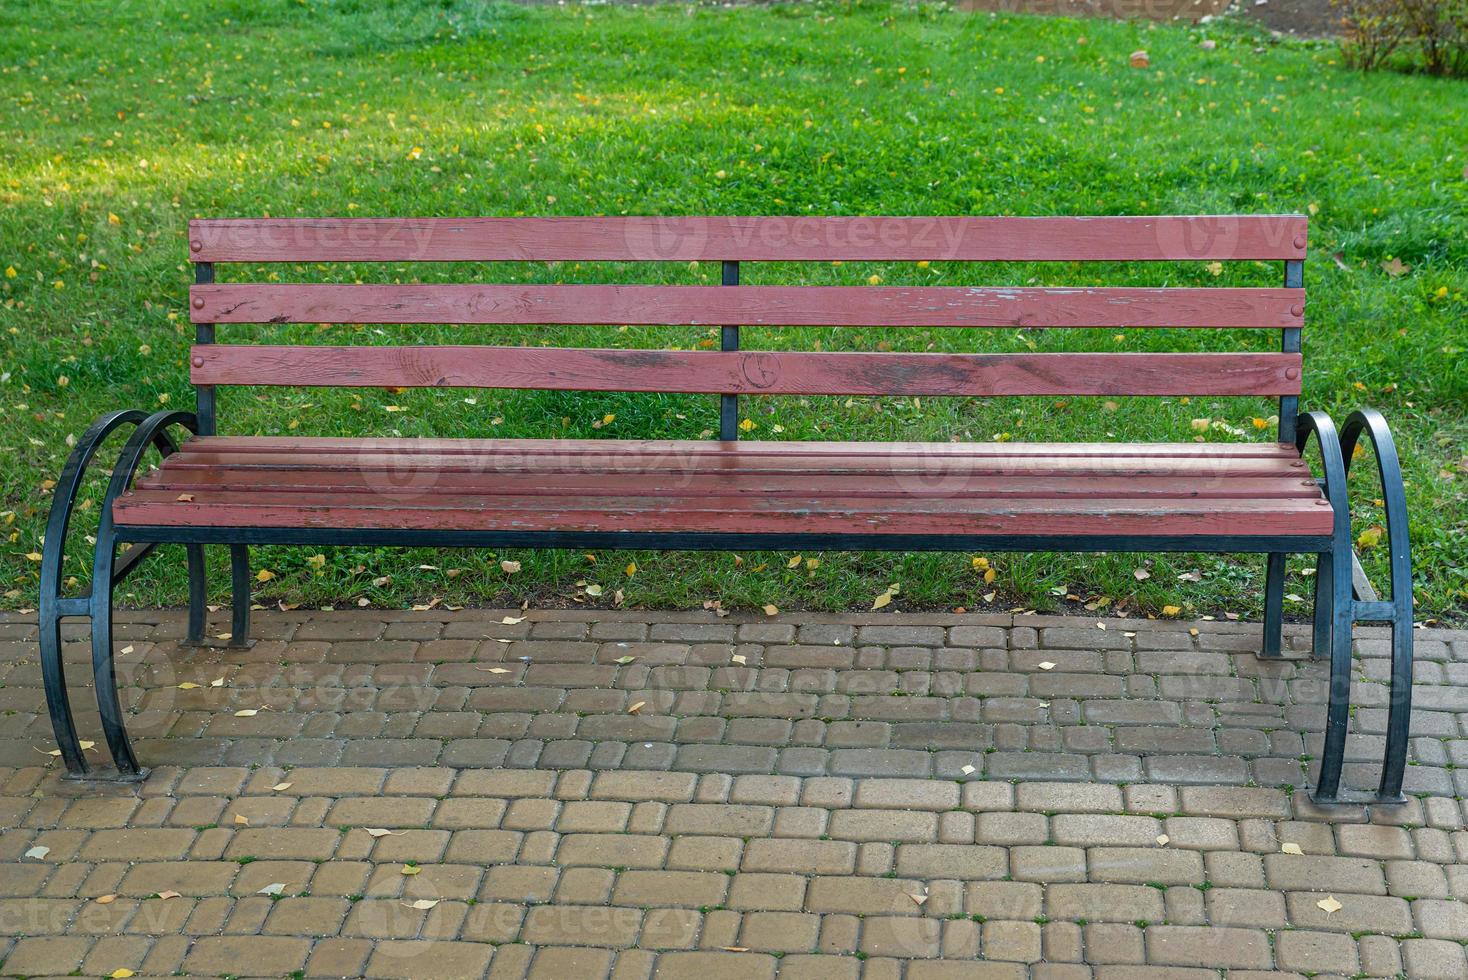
816 109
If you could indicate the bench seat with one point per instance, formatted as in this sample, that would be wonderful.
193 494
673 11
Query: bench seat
752 487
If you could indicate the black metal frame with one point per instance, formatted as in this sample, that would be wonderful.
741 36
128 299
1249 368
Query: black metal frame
1336 605
109 569
1289 413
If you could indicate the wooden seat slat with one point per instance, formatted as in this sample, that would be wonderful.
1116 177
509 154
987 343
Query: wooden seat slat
629 461
743 449
748 372
673 483
860 306
744 513
773 238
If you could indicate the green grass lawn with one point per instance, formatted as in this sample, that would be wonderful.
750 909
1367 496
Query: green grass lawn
122 121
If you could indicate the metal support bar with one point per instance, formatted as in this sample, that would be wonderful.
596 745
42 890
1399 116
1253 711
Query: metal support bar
239 578
130 558
1289 405
74 605
204 334
1359 582
729 340
1274 575
1375 611
1289 410
198 594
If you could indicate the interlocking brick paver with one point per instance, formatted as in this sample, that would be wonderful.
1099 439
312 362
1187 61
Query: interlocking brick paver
809 806
260 955
1213 947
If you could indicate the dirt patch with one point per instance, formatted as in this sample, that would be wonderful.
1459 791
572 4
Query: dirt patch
1190 10
1305 18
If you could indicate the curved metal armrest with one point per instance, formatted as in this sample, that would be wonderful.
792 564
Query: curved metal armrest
150 430
1337 608
1397 610
1320 425
1393 494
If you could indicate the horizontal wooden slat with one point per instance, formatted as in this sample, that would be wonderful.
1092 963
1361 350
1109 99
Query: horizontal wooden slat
909 484
934 306
407 465
749 372
732 452
797 238
745 513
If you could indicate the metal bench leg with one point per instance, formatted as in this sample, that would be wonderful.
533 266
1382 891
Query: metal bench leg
1274 576
58 702
104 671
1338 709
239 577
1320 636
1333 605
198 595
1399 715
1397 610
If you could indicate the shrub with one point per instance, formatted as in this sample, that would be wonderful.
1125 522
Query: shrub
1432 33
1372 30
1439 29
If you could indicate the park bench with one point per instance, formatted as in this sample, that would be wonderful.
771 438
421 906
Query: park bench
728 493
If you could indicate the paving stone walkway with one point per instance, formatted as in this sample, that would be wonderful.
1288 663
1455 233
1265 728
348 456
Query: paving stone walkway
930 797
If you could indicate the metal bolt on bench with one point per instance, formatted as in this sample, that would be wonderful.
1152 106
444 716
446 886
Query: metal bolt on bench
732 494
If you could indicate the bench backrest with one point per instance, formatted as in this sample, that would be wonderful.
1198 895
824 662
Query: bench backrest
731 372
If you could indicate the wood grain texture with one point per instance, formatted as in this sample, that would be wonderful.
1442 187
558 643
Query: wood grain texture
794 238
936 306
748 372
914 483
737 452
628 459
747 513
627 485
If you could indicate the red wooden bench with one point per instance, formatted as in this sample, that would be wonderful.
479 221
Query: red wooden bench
729 494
